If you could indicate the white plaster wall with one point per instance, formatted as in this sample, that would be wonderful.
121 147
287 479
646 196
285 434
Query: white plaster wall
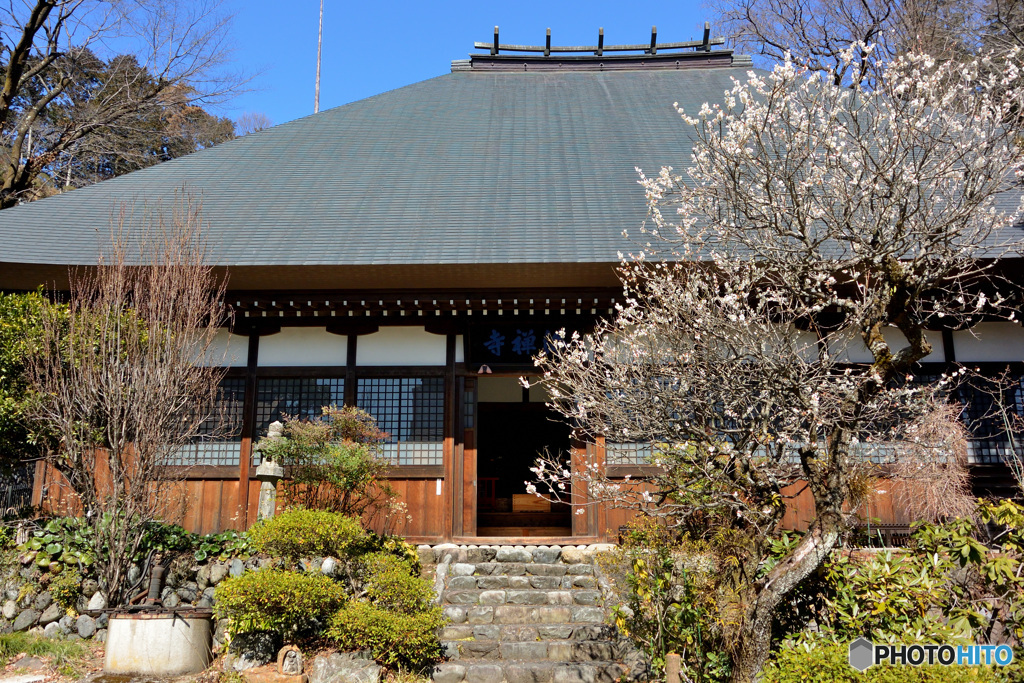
460 349
854 350
303 346
401 346
499 390
227 350
996 341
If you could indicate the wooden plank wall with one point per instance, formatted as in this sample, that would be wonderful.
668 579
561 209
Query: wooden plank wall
213 505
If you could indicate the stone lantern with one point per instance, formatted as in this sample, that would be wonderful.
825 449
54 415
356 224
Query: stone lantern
269 473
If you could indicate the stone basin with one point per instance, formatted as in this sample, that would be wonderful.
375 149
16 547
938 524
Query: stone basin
158 643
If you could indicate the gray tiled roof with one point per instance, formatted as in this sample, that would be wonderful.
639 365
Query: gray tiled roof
468 167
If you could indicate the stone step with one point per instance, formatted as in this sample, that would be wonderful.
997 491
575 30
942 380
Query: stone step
541 615
554 650
507 553
520 582
522 597
529 634
519 671
521 569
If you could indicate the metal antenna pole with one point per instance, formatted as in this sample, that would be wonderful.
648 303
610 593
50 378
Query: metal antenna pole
319 48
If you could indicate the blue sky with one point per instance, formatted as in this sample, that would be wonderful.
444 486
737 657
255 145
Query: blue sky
371 47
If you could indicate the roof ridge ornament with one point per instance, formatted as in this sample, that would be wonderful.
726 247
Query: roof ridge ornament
495 47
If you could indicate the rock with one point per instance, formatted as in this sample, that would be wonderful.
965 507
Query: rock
10 609
343 667
449 673
220 633
191 586
573 555
329 566
289 661
101 635
81 603
52 630
27 599
134 574
66 623
237 567
97 601
26 619
89 587
102 620
425 553
172 601
167 590
510 554
203 577
51 614
31 664
204 602
86 626
186 594
218 572
254 649
42 601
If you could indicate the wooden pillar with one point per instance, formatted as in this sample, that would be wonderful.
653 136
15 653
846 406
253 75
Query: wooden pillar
350 370
467 476
248 428
601 509
581 524
451 424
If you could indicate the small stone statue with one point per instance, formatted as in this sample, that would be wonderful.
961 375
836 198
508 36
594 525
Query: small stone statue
289 661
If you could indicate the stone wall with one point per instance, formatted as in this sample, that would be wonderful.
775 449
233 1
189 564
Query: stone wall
28 604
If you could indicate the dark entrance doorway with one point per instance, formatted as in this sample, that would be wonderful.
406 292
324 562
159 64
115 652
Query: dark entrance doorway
511 435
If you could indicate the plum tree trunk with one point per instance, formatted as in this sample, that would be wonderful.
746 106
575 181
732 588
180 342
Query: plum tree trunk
755 634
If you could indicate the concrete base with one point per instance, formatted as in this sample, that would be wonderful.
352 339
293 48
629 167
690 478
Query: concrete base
158 645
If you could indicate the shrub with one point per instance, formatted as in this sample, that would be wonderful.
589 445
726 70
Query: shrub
61 542
391 584
278 601
669 593
308 533
829 663
394 638
334 462
65 588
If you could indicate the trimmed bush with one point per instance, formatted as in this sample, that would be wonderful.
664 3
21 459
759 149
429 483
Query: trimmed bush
308 533
829 663
395 639
391 584
277 601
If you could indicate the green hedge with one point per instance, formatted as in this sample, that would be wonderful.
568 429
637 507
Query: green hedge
299 533
390 583
829 663
278 601
394 638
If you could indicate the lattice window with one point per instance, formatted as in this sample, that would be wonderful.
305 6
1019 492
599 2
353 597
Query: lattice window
411 411
301 397
627 453
220 436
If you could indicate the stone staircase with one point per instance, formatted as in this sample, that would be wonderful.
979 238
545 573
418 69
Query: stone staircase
527 614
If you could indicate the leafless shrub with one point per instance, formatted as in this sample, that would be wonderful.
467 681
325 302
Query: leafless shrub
931 466
119 391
